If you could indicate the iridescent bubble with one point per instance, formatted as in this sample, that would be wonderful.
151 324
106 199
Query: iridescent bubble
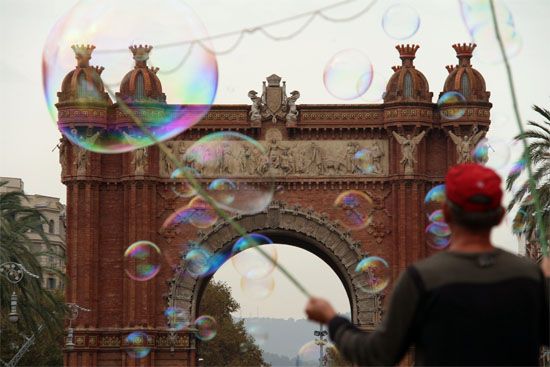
364 161
183 187
400 21
477 17
492 152
223 190
348 74
354 209
520 221
207 328
437 216
198 212
258 332
434 199
377 89
187 78
178 319
517 168
137 345
258 288
225 152
451 105
142 260
438 235
249 261
375 274
308 355
200 262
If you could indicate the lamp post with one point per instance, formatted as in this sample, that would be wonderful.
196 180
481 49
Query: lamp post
69 342
14 273
321 341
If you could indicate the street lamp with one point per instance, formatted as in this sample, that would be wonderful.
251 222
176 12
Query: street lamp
14 273
69 342
321 341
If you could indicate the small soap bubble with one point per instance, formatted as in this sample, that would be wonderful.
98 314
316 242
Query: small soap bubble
438 235
200 262
207 328
142 260
308 354
354 209
375 274
258 332
183 187
258 288
492 152
198 212
249 261
517 168
451 105
434 199
437 216
178 319
400 21
348 74
137 345
224 153
364 161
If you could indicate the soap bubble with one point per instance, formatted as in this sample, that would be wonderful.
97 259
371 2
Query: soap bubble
434 199
227 154
258 332
142 260
438 235
477 17
400 21
375 274
198 212
137 345
517 168
182 187
308 355
377 89
188 73
437 216
451 105
178 319
200 262
207 328
363 160
258 288
248 260
492 152
348 74
354 209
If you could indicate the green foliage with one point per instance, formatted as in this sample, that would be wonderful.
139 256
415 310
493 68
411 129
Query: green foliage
232 346
539 151
36 305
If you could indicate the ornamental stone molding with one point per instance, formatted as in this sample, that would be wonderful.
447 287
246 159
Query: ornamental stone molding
293 225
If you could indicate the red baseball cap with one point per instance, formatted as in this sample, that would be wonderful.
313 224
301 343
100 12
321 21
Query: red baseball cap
473 188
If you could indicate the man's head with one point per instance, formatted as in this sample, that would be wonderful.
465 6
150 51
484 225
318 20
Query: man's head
473 198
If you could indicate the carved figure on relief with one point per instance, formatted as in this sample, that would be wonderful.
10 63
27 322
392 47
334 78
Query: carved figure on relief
408 148
256 108
465 145
292 114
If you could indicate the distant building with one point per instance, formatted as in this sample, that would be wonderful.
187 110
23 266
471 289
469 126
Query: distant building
54 212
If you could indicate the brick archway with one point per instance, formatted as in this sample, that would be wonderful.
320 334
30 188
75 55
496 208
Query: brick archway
296 226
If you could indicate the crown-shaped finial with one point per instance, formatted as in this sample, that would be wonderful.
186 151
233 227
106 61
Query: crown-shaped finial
464 49
273 80
407 51
99 69
141 54
83 54
450 68
396 68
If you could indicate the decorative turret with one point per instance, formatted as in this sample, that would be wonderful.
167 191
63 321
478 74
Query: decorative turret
464 78
407 83
142 83
83 84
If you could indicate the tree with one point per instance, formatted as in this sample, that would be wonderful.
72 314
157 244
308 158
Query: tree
36 305
232 346
538 150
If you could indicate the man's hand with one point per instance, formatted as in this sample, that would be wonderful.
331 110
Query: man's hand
545 266
320 310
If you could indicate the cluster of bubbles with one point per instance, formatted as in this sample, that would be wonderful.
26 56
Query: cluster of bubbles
193 72
438 233
142 260
477 17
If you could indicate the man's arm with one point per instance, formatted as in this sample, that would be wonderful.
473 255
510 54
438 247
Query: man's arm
386 345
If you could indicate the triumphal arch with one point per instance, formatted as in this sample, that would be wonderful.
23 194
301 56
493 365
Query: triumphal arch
115 200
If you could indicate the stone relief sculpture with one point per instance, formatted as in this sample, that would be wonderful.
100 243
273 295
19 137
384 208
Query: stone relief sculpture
408 148
166 164
82 156
274 104
139 161
63 147
466 144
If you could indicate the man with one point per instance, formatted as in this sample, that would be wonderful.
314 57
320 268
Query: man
471 305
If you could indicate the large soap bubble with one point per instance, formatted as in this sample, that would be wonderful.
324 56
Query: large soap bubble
308 355
142 260
186 77
348 74
400 21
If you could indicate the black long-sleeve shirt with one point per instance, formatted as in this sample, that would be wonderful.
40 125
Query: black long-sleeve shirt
457 309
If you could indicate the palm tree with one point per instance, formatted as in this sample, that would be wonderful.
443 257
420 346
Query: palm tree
538 149
36 305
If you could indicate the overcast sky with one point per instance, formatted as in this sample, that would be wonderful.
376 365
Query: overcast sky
28 134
